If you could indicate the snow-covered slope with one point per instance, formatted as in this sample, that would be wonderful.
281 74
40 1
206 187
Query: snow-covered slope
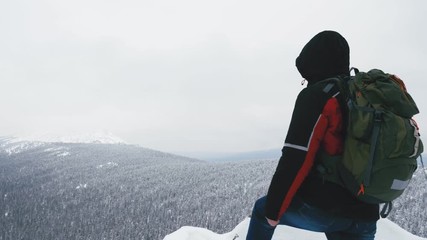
14 145
387 230
56 190
72 137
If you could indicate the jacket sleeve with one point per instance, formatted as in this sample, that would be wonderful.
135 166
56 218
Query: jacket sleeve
306 131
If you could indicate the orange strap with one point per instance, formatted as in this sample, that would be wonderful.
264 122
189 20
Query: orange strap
399 82
361 190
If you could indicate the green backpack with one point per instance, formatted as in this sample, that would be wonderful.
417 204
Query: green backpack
382 141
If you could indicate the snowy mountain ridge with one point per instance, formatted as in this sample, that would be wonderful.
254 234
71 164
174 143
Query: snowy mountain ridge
11 145
72 137
14 145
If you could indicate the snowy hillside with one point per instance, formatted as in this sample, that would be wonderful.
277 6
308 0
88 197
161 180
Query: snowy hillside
57 190
84 191
387 230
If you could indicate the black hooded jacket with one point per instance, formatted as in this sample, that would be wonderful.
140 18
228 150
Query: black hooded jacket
316 125
326 55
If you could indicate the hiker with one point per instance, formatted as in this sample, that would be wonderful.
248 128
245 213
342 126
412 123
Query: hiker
297 197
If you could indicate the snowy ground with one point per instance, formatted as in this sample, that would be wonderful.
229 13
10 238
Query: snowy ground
387 230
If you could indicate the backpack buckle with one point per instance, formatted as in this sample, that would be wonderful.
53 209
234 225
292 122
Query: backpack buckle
378 116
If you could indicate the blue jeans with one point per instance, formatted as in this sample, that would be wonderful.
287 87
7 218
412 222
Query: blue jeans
304 216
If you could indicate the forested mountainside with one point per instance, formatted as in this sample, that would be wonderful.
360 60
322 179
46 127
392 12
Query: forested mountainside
93 191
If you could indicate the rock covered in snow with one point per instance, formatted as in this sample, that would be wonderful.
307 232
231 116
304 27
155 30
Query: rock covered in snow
386 230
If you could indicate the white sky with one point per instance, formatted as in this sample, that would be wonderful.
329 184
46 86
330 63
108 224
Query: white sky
187 75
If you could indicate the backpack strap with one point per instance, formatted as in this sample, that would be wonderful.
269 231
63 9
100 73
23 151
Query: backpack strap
388 206
372 150
356 71
422 166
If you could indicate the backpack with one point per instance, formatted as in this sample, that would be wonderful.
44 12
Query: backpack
382 141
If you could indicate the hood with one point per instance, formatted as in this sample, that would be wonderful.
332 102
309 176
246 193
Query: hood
326 55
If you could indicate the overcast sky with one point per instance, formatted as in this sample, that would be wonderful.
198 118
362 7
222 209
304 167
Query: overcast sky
187 75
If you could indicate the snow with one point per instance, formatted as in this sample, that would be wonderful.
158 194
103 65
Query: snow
12 146
73 137
81 185
58 151
108 165
15 145
386 230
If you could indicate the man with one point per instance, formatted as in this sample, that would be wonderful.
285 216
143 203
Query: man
297 196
